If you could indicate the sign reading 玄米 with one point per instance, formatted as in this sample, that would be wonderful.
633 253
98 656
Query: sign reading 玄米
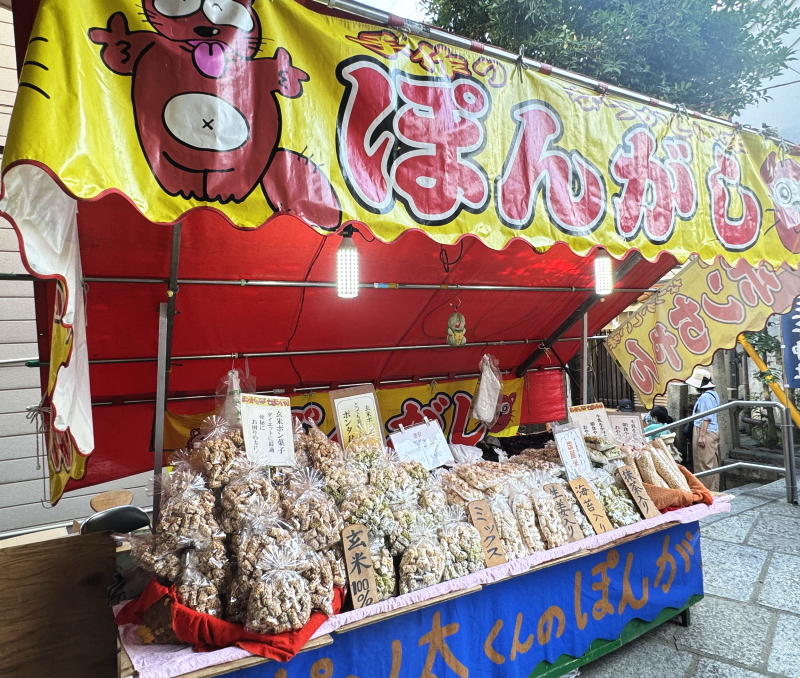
267 430
360 568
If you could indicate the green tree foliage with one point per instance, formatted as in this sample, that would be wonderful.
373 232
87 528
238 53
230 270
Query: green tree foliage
710 56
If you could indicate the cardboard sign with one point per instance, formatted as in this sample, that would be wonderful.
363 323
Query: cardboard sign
424 443
356 410
592 419
572 450
639 494
360 570
565 512
483 520
591 505
267 429
624 426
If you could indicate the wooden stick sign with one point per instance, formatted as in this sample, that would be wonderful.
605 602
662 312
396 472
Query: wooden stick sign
360 570
565 512
483 520
591 505
639 494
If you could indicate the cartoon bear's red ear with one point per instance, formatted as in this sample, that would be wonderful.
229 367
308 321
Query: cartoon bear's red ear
768 168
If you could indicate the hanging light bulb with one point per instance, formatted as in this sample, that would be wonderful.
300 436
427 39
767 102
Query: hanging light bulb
347 266
603 274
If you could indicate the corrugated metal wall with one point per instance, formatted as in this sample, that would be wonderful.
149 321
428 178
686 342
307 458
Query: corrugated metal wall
21 486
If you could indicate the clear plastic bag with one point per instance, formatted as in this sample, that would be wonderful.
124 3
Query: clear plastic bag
195 591
248 483
221 447
422 564
507 528
312 512
433 499
343 476
187 511
383 563
523 507
365 448
319 577
368 507
302 444
229 391
154 555
280 600
390 476
487 400
263 527
461 543
617 503
406 512
550 525
322 451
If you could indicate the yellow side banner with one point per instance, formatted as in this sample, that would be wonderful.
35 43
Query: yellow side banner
702 309
252 107
447 403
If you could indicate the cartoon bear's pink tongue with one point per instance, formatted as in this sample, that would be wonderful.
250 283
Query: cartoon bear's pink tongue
209 57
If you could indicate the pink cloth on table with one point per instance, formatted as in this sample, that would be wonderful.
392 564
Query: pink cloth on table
170 661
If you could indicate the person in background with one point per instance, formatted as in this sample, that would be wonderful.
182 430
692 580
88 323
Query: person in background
657 417
705 433
625 405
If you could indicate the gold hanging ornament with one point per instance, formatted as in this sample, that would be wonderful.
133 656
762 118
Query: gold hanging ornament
456 328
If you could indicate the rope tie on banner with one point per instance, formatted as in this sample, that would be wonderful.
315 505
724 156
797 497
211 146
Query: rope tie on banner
36 415
433 385
519 64
548 352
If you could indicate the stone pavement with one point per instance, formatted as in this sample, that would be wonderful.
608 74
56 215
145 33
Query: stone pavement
748 624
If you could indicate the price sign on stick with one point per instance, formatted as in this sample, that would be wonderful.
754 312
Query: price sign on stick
483 520
356 410
424 443
267 429
572 450
592 419
565 512
591 505
639 494
624 425
360 571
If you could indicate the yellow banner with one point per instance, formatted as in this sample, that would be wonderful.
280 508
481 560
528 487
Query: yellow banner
702 309
447 403
253 106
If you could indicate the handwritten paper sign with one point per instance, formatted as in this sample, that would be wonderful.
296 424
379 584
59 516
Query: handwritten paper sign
565 512
267 429
360 571
424 443
356 410
591 505
592 419
572 450
634 484
625 425
482 518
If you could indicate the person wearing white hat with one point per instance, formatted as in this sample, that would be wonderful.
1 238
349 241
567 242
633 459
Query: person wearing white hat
705 432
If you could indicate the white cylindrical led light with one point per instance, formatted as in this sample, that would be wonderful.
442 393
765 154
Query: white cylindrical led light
347 268
603 274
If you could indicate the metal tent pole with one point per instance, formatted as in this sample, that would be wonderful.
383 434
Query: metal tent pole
788 431
585 359
161 396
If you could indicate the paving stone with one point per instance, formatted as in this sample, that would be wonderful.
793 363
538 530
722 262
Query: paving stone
708 668
782 584
747 502
785 656
736 491
730 570
776 531
775 489
642 659
726 630
733 529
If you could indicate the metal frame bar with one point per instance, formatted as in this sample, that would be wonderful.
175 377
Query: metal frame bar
399 24
585 359
790 469
161 395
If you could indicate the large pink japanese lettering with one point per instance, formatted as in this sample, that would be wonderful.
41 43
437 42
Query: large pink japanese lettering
574 189
643 369
665 347
737 231
685 317
412 139
656 191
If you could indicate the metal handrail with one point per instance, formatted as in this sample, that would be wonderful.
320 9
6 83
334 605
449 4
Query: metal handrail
789 468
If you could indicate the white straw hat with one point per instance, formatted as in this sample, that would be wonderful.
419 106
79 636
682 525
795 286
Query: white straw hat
701 378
